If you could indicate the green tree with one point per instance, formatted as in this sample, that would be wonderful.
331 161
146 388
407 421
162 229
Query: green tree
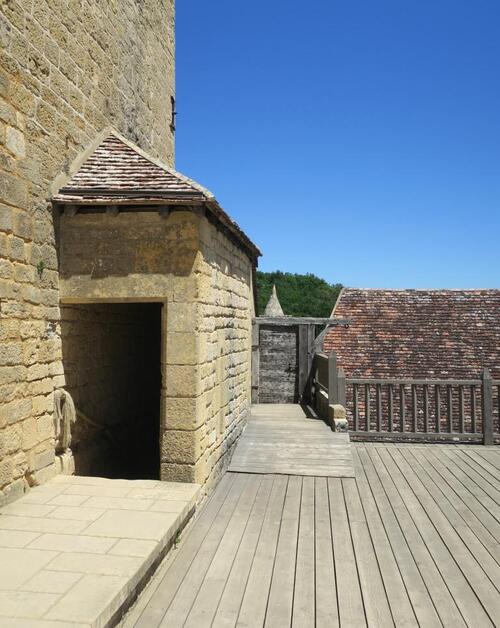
299 295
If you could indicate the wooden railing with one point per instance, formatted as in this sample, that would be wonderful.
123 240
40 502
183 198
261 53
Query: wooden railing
327 384
410 409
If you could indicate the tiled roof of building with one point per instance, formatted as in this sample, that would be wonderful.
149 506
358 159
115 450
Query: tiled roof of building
435 334
119 173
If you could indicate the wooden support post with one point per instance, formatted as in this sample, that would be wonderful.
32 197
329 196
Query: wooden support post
473 411
303 361
310 345
390 408
310 363
487 407
332 378
255 362
341 396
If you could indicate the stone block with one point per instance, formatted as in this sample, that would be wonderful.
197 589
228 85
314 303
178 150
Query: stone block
16 538
181 446
65 464
15 142
47 581
4 251
24 273
13 191
4 77
24 604
43 459
184 413
7 112
22 509
133 547
14 411
150 526
21 466
182 381
44 475
37 371
6 272
9 494
338 418
182 317
18 250
22 225
173 472
10 440
29 433
182 348
6 472
10 354
100 593
73 543
42 405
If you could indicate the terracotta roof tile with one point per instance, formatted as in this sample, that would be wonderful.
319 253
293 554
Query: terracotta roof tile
120 173
117 171
418 333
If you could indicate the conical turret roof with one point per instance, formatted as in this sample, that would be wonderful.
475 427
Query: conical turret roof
273 307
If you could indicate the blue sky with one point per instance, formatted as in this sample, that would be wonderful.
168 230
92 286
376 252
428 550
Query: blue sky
357 140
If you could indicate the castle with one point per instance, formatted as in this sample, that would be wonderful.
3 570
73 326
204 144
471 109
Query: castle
122 282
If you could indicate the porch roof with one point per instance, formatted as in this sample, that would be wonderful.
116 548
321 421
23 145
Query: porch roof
119 173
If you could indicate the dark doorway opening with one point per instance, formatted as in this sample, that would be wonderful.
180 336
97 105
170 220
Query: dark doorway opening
112 363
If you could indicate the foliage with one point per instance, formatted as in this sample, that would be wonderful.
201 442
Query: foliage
299 295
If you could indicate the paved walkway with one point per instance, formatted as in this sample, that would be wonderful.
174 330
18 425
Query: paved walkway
280 438
413 540
72 552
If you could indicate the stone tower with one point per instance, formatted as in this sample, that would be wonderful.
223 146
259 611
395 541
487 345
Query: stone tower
67 70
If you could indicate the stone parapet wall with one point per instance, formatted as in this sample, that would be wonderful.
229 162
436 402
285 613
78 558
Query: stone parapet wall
67 70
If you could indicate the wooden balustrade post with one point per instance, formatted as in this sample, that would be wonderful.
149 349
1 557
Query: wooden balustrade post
487 407
255 362
341 396
332 378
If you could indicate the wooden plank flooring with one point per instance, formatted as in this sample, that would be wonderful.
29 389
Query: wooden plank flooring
412 540
280 438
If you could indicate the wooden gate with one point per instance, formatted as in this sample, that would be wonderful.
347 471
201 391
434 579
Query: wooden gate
279 364
283 348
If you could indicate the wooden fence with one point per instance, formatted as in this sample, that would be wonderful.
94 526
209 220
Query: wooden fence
410 409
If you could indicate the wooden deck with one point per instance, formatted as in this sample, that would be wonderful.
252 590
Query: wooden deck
412 540
280 438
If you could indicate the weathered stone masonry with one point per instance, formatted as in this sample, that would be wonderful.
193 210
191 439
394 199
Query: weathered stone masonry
204 281
68 68
73 73
221 347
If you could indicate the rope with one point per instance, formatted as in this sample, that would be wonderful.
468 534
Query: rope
64 417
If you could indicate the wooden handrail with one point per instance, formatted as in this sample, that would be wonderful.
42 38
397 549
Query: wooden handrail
433 409
414 382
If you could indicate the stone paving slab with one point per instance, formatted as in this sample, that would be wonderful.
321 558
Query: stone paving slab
75 551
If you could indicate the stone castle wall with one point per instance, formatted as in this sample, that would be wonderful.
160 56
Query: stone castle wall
68 68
